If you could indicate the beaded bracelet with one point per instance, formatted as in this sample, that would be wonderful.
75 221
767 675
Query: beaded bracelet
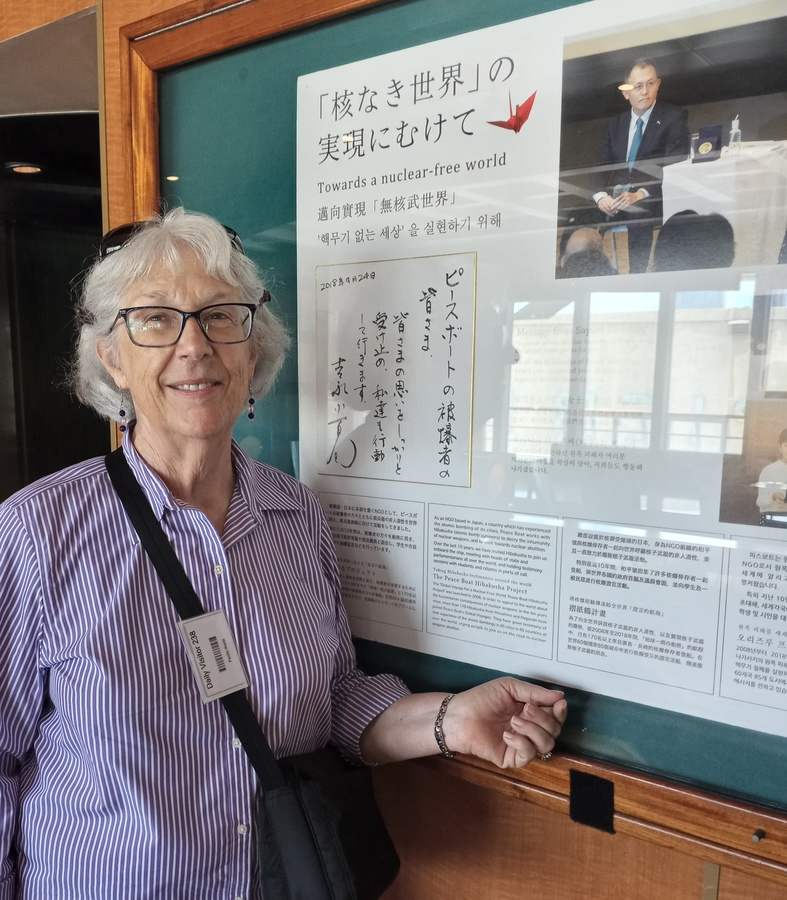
438 728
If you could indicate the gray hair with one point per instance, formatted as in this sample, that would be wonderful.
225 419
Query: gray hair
163 240
642 63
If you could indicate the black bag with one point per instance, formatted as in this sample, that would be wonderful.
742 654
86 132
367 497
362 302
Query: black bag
337 802
320 835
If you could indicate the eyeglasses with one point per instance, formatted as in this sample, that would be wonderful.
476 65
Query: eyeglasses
118 237
162 326
645 85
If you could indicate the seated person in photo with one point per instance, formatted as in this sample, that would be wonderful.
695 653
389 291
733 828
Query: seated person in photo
639 143
586 244
690 241
573 240
586 263
772 484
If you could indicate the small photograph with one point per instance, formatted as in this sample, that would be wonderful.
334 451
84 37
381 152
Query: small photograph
673 153
754 484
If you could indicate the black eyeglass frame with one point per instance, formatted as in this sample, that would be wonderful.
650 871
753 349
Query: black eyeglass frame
184 317
117 238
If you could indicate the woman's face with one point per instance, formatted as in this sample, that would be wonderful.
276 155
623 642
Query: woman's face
194 389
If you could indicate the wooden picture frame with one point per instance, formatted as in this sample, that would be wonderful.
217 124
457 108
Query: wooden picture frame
740 837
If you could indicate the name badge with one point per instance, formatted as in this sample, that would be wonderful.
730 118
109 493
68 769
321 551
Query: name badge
213 655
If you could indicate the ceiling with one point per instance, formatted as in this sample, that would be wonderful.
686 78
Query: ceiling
701 68
48 111
51 69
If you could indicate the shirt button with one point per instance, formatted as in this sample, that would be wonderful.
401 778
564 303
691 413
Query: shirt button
243 829
236 743
218 569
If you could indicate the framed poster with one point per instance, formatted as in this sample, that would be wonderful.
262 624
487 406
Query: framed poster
534 294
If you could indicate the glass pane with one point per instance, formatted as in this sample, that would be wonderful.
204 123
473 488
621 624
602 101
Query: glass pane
621 355
709 372
617 401
776 366
540 378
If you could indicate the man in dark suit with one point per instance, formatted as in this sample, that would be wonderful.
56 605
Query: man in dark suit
637 144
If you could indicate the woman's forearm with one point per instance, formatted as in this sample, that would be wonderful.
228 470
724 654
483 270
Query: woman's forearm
403 731
505 721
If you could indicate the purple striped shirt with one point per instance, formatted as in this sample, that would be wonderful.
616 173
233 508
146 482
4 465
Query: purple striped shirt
115 780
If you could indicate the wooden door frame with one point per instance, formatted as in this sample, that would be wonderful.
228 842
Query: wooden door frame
188 32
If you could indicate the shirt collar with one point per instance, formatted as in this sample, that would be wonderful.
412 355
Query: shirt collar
645 116
158 494
258 486
262 487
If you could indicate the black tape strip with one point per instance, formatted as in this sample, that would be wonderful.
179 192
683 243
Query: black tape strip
592 801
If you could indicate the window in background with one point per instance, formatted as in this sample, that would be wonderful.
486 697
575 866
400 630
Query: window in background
540 380
776 360
709 370
621 359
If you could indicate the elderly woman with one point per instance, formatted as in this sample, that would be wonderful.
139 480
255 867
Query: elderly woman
116 781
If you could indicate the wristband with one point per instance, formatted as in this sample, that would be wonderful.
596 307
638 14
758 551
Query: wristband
438 728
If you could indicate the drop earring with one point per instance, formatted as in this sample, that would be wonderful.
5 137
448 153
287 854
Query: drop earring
122 414
250 413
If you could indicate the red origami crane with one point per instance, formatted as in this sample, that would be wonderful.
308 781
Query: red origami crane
517 119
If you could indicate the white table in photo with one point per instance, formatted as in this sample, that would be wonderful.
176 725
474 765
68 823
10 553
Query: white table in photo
748 186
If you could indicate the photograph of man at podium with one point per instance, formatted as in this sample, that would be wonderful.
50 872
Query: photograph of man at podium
686 133
637 144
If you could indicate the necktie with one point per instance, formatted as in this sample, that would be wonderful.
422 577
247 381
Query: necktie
635 142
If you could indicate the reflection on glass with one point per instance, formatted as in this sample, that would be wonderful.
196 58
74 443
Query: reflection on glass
754 477
595 372
620 342
776 366
709 371
540 382
657 395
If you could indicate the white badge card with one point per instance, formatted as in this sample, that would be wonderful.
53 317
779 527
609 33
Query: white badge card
213 655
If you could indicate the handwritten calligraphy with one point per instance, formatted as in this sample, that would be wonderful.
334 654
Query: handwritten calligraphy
398 378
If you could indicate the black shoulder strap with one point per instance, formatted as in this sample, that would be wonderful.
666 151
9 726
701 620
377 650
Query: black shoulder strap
188 605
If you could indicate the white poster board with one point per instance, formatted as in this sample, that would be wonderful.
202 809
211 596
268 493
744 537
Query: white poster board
513 464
